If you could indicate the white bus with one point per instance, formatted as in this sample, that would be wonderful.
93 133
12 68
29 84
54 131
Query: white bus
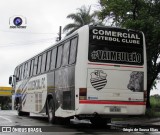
96 73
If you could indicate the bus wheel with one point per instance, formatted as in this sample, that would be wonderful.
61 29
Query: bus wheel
51 111
21 113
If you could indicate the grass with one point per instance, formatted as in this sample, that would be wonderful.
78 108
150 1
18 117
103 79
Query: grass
155 107
155 101
152 113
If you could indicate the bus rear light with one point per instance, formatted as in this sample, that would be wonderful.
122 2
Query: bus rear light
82 93
145 96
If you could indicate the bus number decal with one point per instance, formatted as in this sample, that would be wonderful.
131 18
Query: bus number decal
98 79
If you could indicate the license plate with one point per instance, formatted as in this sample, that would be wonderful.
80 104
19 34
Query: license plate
115 109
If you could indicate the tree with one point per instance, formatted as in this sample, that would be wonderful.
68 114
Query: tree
81 18
4 102
143 15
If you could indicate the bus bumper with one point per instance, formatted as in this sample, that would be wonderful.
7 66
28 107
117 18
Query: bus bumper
89 108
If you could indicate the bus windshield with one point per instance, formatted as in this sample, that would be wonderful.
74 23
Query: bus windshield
113 45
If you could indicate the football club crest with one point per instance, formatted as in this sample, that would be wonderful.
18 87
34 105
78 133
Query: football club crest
98 79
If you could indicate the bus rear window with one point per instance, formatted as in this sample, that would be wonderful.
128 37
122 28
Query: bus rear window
117 46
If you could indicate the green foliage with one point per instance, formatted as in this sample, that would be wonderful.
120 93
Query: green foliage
154 85
143 15
150 113
155 104
155 101
81 18
114 9
4 102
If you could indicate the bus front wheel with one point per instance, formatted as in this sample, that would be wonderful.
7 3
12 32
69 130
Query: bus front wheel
51 111
21 113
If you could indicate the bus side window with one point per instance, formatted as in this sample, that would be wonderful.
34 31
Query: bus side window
39 64
66 48
20 72
53 59
48 60
32 65
43 66
17 74
35 66
16 71
29 68
25 70
73 51
59 57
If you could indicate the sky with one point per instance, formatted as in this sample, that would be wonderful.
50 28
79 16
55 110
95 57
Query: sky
43 18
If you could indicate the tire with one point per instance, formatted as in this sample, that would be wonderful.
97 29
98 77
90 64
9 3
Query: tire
21 113
51 111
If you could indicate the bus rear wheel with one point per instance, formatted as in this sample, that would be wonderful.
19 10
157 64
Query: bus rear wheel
51 111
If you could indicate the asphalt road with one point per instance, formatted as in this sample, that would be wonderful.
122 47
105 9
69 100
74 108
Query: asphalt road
21 125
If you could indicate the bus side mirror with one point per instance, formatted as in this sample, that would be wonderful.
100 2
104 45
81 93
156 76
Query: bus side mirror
10 80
